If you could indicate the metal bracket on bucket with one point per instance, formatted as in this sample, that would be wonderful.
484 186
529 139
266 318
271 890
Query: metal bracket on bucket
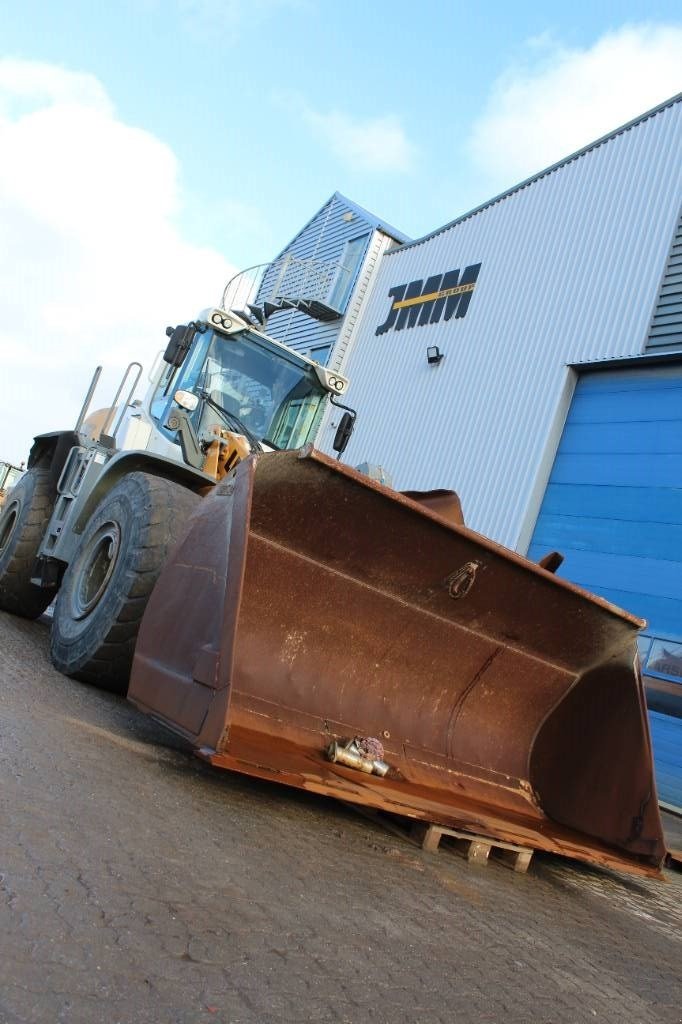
460 582
362 752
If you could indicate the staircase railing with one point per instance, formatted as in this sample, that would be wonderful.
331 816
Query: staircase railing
284 284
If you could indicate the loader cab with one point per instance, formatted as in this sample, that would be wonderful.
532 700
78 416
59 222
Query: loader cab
244 382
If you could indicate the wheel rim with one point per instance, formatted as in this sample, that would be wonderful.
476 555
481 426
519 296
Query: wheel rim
97 565
8 525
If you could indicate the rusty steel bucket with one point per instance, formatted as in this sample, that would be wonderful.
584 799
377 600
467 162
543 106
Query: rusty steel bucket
308 604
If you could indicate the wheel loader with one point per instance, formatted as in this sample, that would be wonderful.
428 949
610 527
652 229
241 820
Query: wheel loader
295 620
9 476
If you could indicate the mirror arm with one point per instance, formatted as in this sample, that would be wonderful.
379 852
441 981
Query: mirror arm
346 408
339 405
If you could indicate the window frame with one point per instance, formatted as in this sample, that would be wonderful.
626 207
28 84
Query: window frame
353 270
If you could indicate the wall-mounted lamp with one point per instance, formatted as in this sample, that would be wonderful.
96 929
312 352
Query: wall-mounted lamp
434 355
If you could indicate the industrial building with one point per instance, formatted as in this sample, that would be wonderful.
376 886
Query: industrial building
529 356
312 293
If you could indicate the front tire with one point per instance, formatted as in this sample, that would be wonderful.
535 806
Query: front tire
107 585
23 522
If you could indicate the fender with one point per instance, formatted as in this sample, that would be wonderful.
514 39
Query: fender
124 463
50 451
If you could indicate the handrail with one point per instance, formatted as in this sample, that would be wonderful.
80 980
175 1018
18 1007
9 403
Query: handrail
88 399
112 407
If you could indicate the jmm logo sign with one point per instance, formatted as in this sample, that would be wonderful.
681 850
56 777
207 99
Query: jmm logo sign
440 297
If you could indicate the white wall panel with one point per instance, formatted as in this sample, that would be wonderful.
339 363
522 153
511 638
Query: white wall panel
571 265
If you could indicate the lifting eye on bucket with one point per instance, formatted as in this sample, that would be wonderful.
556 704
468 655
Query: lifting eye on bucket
460 583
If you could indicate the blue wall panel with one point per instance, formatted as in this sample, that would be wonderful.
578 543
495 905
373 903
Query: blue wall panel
613 507
666 736
627 406
614 536
659 437
622 470
634 503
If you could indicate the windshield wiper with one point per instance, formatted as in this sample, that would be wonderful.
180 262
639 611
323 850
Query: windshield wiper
234 422
271 444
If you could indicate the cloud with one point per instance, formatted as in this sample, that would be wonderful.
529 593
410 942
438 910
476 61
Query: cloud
563 99
373 144
44 84
92 263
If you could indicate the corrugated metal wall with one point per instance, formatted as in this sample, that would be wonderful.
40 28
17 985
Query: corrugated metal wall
323 238
665 332
570 269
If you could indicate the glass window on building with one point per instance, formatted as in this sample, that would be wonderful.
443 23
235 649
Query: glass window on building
345 276
665 659
644 646
319 354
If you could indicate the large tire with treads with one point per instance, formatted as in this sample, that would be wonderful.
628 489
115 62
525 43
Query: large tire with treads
23 521
107 585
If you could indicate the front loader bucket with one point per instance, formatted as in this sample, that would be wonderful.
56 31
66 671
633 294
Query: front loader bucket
308 604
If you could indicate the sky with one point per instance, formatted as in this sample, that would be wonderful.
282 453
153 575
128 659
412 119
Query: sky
149 149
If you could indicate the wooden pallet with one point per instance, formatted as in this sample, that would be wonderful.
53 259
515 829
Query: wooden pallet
476 849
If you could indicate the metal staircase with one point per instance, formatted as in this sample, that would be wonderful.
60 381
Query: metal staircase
288 283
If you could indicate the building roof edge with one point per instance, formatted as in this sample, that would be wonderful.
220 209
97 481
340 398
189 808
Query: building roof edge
377 222
541 174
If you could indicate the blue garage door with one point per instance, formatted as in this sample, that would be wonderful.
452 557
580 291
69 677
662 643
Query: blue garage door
613 507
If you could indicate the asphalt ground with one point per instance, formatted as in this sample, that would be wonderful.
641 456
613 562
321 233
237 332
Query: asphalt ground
139 885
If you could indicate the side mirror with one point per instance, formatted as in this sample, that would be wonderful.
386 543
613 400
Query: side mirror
343 432
180 340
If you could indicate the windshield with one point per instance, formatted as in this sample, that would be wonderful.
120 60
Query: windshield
264 390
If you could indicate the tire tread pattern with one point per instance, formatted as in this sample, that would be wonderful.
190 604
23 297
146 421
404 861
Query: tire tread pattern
17 594
107 662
